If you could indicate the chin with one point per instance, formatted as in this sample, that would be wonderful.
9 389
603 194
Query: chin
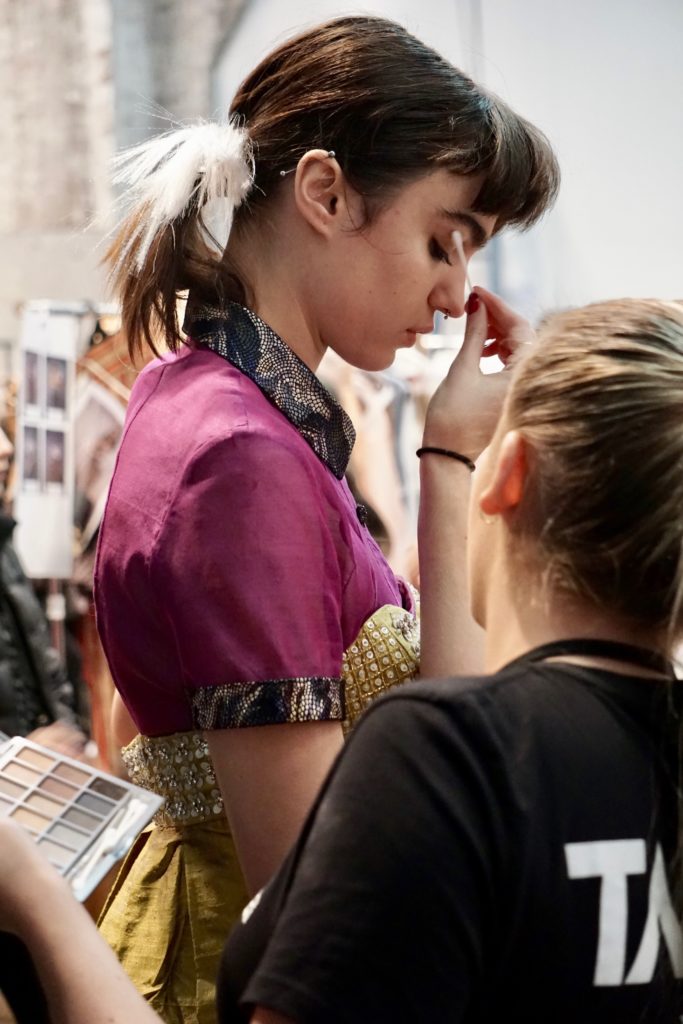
374 361
380 359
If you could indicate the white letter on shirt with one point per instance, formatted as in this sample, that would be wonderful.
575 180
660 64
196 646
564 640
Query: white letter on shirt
613 860
660 914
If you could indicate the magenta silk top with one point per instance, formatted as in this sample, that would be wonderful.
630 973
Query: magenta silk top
233 570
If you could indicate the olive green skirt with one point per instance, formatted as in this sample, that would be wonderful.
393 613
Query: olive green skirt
175 899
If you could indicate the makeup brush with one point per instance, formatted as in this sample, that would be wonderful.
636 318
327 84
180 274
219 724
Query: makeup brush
456 237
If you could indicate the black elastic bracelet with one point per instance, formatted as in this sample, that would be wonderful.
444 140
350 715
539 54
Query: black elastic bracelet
448 453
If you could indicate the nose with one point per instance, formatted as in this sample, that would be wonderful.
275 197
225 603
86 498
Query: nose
448 294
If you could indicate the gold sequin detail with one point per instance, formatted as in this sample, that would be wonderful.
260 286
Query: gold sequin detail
385 654
177 767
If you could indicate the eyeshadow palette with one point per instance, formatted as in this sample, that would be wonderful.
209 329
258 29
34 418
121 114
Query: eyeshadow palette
82 819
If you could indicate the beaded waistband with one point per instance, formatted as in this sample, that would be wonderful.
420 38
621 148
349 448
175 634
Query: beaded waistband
177 767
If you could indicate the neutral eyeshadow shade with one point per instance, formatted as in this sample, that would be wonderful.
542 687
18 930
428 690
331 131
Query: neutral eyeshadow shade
107 788
21 772
71 774
30 819
11 788
95 803
57 854
80 818
68 836
57 788
44 804
5 806
35 758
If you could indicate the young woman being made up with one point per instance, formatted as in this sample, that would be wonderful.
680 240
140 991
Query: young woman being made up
241 602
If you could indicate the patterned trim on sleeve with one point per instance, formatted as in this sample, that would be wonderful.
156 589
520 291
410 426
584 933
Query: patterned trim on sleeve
238 705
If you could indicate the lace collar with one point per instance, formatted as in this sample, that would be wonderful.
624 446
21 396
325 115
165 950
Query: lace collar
238 335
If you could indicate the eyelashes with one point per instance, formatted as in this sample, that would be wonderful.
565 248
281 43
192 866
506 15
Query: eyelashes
438 253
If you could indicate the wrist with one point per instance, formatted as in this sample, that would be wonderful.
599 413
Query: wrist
443 477
432 451
441 439
50 907
47 889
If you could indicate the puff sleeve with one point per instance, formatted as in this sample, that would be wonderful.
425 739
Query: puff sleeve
251 562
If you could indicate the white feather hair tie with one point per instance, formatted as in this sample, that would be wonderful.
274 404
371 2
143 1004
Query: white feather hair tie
209 164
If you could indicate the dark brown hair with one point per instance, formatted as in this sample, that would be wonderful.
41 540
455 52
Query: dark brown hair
600 399
390 107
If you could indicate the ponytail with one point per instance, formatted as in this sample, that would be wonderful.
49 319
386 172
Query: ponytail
181 190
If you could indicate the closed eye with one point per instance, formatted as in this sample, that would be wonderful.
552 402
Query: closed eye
437 253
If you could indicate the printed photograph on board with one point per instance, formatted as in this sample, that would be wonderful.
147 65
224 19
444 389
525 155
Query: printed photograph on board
56 385
32 365
30 468
54 459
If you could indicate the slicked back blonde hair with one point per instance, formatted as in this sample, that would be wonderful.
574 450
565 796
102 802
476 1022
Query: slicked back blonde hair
600 399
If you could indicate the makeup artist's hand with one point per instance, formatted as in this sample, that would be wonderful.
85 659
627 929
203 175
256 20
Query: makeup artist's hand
464 410
507 332
62 737
82 980
26 877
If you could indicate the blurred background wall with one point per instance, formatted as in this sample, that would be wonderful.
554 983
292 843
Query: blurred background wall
80 79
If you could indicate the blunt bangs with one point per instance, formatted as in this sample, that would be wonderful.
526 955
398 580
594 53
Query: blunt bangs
522 176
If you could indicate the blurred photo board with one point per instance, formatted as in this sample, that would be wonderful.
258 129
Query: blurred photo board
98 423
44 492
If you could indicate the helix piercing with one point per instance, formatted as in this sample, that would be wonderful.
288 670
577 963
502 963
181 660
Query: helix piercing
283 174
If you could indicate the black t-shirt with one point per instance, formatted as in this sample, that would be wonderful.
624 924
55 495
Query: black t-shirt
484 850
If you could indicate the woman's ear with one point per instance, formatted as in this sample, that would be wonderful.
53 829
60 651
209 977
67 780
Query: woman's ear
506 486
321 192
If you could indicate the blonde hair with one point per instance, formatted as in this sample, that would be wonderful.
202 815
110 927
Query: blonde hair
600 399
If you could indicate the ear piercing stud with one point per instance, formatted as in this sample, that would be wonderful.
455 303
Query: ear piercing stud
283 174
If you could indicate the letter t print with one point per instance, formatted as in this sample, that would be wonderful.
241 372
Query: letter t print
612 860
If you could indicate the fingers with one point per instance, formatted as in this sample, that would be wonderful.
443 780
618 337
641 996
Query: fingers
507 328
476 334
505 320
504 316
62 737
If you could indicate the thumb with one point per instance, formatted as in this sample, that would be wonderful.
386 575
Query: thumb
476 329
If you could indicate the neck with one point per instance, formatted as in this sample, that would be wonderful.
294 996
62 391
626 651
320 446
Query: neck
520 616
278 300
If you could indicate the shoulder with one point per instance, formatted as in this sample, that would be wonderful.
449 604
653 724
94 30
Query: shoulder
485 696
257 456
196 409
197 382
254 486
505 715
